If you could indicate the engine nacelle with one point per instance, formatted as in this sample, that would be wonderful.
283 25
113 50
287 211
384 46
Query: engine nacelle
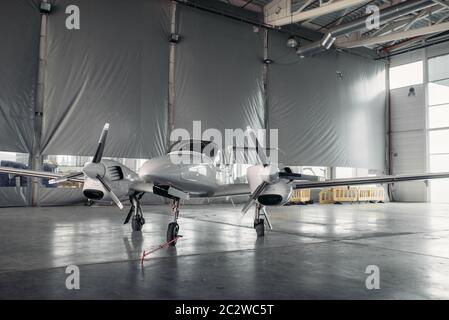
259 173
276 194
93 189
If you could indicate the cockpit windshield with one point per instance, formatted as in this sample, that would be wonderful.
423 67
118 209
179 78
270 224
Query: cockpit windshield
207 148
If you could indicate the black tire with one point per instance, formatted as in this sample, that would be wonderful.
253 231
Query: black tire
259 225
172 233
137 223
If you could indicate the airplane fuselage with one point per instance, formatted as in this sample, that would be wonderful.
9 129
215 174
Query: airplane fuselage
198 176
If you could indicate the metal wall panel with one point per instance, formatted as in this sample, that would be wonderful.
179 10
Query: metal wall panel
407 110
408 141
329 109
61 196
438 49
19 56
113 69
408 57
218 72
408 149
13 197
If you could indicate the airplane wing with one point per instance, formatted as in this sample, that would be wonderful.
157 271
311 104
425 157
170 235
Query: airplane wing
239 189
368 180
228 190
36 174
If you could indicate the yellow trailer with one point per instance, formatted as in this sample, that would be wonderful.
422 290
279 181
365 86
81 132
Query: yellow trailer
300 196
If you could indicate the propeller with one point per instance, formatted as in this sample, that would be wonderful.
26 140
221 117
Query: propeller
111 193
253 197
261 187
128 217
101 143
65 178
95 169
266 174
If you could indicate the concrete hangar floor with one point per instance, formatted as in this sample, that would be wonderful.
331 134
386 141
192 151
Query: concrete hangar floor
315 252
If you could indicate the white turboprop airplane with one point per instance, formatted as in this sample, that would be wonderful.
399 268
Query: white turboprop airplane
268 185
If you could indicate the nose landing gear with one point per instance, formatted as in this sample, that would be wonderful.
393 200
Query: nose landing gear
137 221
173 227
259 224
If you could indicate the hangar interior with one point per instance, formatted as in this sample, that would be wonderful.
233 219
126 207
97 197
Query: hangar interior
374 102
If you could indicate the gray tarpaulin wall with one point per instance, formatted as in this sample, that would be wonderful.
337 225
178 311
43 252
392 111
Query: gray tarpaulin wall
19 57
329 109
218 74
114 69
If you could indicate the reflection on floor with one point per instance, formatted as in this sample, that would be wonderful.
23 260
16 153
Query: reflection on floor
318 251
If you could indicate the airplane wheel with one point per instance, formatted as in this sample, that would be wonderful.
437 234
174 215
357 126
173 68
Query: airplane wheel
137 223
172 233
259 225
89 203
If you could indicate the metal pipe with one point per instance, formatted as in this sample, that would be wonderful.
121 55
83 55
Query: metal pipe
385 16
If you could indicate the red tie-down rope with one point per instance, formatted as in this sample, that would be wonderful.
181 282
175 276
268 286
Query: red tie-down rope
161 246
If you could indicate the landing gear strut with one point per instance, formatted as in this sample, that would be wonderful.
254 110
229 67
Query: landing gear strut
259 224
137 220
173 227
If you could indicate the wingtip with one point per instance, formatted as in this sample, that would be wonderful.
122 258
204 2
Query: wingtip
106 126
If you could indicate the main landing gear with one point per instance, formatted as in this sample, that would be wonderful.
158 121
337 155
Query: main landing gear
259 223
135 212
173 227
137 221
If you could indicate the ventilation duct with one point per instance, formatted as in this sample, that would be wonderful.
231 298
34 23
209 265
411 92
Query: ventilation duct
385 15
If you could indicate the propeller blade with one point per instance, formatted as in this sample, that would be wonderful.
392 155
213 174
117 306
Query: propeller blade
111 193
247 206
128 217
101 144
254 196
65 178
260 150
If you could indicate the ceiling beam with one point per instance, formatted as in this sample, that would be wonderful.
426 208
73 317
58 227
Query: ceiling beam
278 12
442 3
402 23
410 41
246 4
436 28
